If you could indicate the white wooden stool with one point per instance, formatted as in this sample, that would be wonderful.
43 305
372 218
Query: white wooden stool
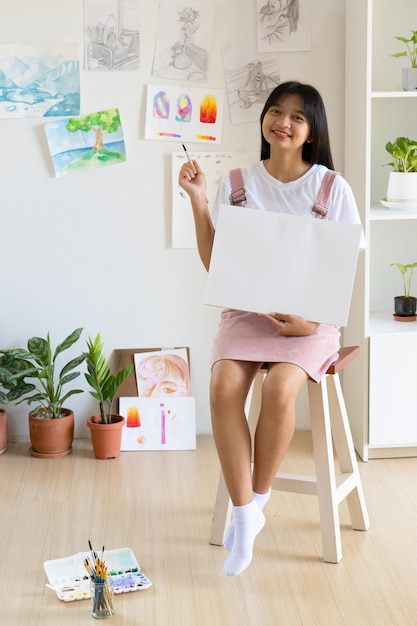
330 433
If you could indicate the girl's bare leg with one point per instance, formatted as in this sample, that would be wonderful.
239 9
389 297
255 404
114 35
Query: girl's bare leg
276 422
230 384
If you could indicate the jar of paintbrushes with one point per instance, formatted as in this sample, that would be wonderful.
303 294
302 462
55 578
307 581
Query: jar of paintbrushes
101 586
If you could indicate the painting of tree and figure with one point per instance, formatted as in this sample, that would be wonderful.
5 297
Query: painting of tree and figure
79 143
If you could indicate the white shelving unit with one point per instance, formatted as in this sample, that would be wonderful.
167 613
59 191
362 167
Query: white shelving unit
380 387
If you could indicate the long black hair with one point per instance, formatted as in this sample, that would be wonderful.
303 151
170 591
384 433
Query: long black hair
318 150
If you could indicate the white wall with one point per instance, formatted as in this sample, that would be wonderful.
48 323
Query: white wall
93 249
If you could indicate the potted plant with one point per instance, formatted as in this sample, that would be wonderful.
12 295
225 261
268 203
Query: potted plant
106 427
51 425
10 390
409 73
405 305
402 182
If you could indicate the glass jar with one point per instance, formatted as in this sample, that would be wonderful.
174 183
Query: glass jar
102 596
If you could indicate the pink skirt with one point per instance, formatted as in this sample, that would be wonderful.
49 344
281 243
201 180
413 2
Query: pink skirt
244 336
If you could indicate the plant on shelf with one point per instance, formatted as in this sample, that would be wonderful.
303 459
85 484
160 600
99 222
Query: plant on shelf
19 366
404 152
411 48
405 305
105 428
402 181
409 74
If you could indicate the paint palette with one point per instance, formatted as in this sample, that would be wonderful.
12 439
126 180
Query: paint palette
70 581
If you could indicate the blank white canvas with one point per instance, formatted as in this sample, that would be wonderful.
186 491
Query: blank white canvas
265 262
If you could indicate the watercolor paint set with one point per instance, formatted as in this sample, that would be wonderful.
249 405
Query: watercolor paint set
68 578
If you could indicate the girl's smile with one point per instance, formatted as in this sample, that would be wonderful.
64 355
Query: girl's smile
286 122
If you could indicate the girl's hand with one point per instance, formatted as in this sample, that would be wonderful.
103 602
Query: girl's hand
290 325
192 179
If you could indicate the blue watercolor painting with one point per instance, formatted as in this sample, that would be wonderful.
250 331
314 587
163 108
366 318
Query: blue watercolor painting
39 80
91 141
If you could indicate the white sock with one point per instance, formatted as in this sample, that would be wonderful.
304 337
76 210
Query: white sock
248 522
261 499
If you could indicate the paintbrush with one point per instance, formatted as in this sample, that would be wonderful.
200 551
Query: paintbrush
190 161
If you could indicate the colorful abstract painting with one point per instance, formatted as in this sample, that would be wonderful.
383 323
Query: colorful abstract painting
39 80
90 141
175 113
158 423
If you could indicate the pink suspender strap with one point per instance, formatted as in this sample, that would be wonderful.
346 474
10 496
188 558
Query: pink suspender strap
320 209
238 196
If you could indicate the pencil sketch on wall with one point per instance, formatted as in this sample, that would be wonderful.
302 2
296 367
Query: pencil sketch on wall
284 25
183 41
250 78
111 35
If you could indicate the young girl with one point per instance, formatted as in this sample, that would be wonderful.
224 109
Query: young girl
295 155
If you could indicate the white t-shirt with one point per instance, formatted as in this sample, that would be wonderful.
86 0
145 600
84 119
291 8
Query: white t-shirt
266 193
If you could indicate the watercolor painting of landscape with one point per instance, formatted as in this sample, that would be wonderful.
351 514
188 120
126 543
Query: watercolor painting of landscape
80 143
39 80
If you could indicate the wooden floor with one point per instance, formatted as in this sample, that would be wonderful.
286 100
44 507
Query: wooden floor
160 505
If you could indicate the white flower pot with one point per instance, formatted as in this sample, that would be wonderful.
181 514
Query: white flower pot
402 186
409 78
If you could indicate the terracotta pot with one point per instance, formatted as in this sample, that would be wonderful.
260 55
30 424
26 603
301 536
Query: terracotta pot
51 437
106 438
3 430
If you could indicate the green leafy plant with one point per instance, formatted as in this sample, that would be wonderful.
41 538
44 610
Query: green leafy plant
403 150
11 387
411 45
99 376
407 272
39 362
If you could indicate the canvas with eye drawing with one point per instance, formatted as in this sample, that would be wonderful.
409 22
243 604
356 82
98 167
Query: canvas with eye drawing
162 416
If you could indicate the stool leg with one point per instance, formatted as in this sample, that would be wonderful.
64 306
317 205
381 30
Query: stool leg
346 455
325 471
